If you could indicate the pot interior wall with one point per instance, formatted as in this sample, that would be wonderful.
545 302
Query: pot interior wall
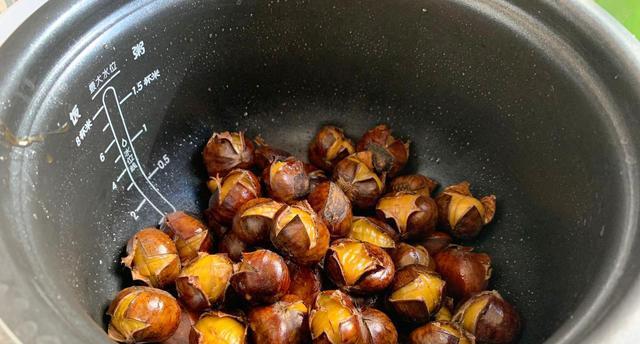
480 100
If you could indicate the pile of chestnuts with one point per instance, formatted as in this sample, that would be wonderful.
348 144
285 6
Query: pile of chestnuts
343 249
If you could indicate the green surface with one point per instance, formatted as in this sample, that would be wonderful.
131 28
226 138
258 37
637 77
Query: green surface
626 11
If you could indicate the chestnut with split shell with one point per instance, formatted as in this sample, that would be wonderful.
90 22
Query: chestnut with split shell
152 257
334 319
440 332
406 254
417 183
356 176
333 206
252 222
286 180
465 271
328 147
373 231
390 155
461 213
227 151
203 283
413 215
218 328
381 328
190 235
416 293
490 318
261 276
284 322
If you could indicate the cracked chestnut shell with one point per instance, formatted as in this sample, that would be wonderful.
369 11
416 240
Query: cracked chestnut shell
203 283
417 183
218 327
264 154
373 231
284 322
440 332
316 176
252 222
333 206
490 318
227 151
286 180
356 176
334 319
328 147
298 233
152 257
465 271
461 213
306 282
228 194
436 242
358 267
406 254
262 276
414 216
143 314
445 313
390 154
416 293
189 234
232 245
381 328
187 320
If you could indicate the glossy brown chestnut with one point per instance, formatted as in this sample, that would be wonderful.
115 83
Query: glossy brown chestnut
406 254
463 214
416 293
381 328
335 320
436 242
440 332
189 234
264 154
490 318
233 246
228 194
218 328
252 222
181 335
465 271
358 267
390 154
262 276
203 283
300 234
286 180
152 257
417 183
413 215
356 176
316 176
306 282
227 151
328 147
284 322
143 314
373 231
333 206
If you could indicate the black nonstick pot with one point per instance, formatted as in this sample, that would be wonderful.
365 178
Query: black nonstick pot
536 101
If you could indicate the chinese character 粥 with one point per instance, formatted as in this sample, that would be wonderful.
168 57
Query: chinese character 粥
138 50
74 115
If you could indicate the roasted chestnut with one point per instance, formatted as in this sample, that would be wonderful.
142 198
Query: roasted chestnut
465 271
416 293
187 320
284 322
218 327
232 245
358 267
306 282
252 222
335 320
264 154
300 234
333 206
286 180
414 216
228 194
463 214
390 155
356 176
414 183
445 313
316 176
440 332
143 314
203 283
436 242
406 254
381 328
189 234
490 318
227 151
262 276
152 257
328 147
373 231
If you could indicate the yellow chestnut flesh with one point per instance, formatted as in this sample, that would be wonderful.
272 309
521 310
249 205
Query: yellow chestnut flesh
218 328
